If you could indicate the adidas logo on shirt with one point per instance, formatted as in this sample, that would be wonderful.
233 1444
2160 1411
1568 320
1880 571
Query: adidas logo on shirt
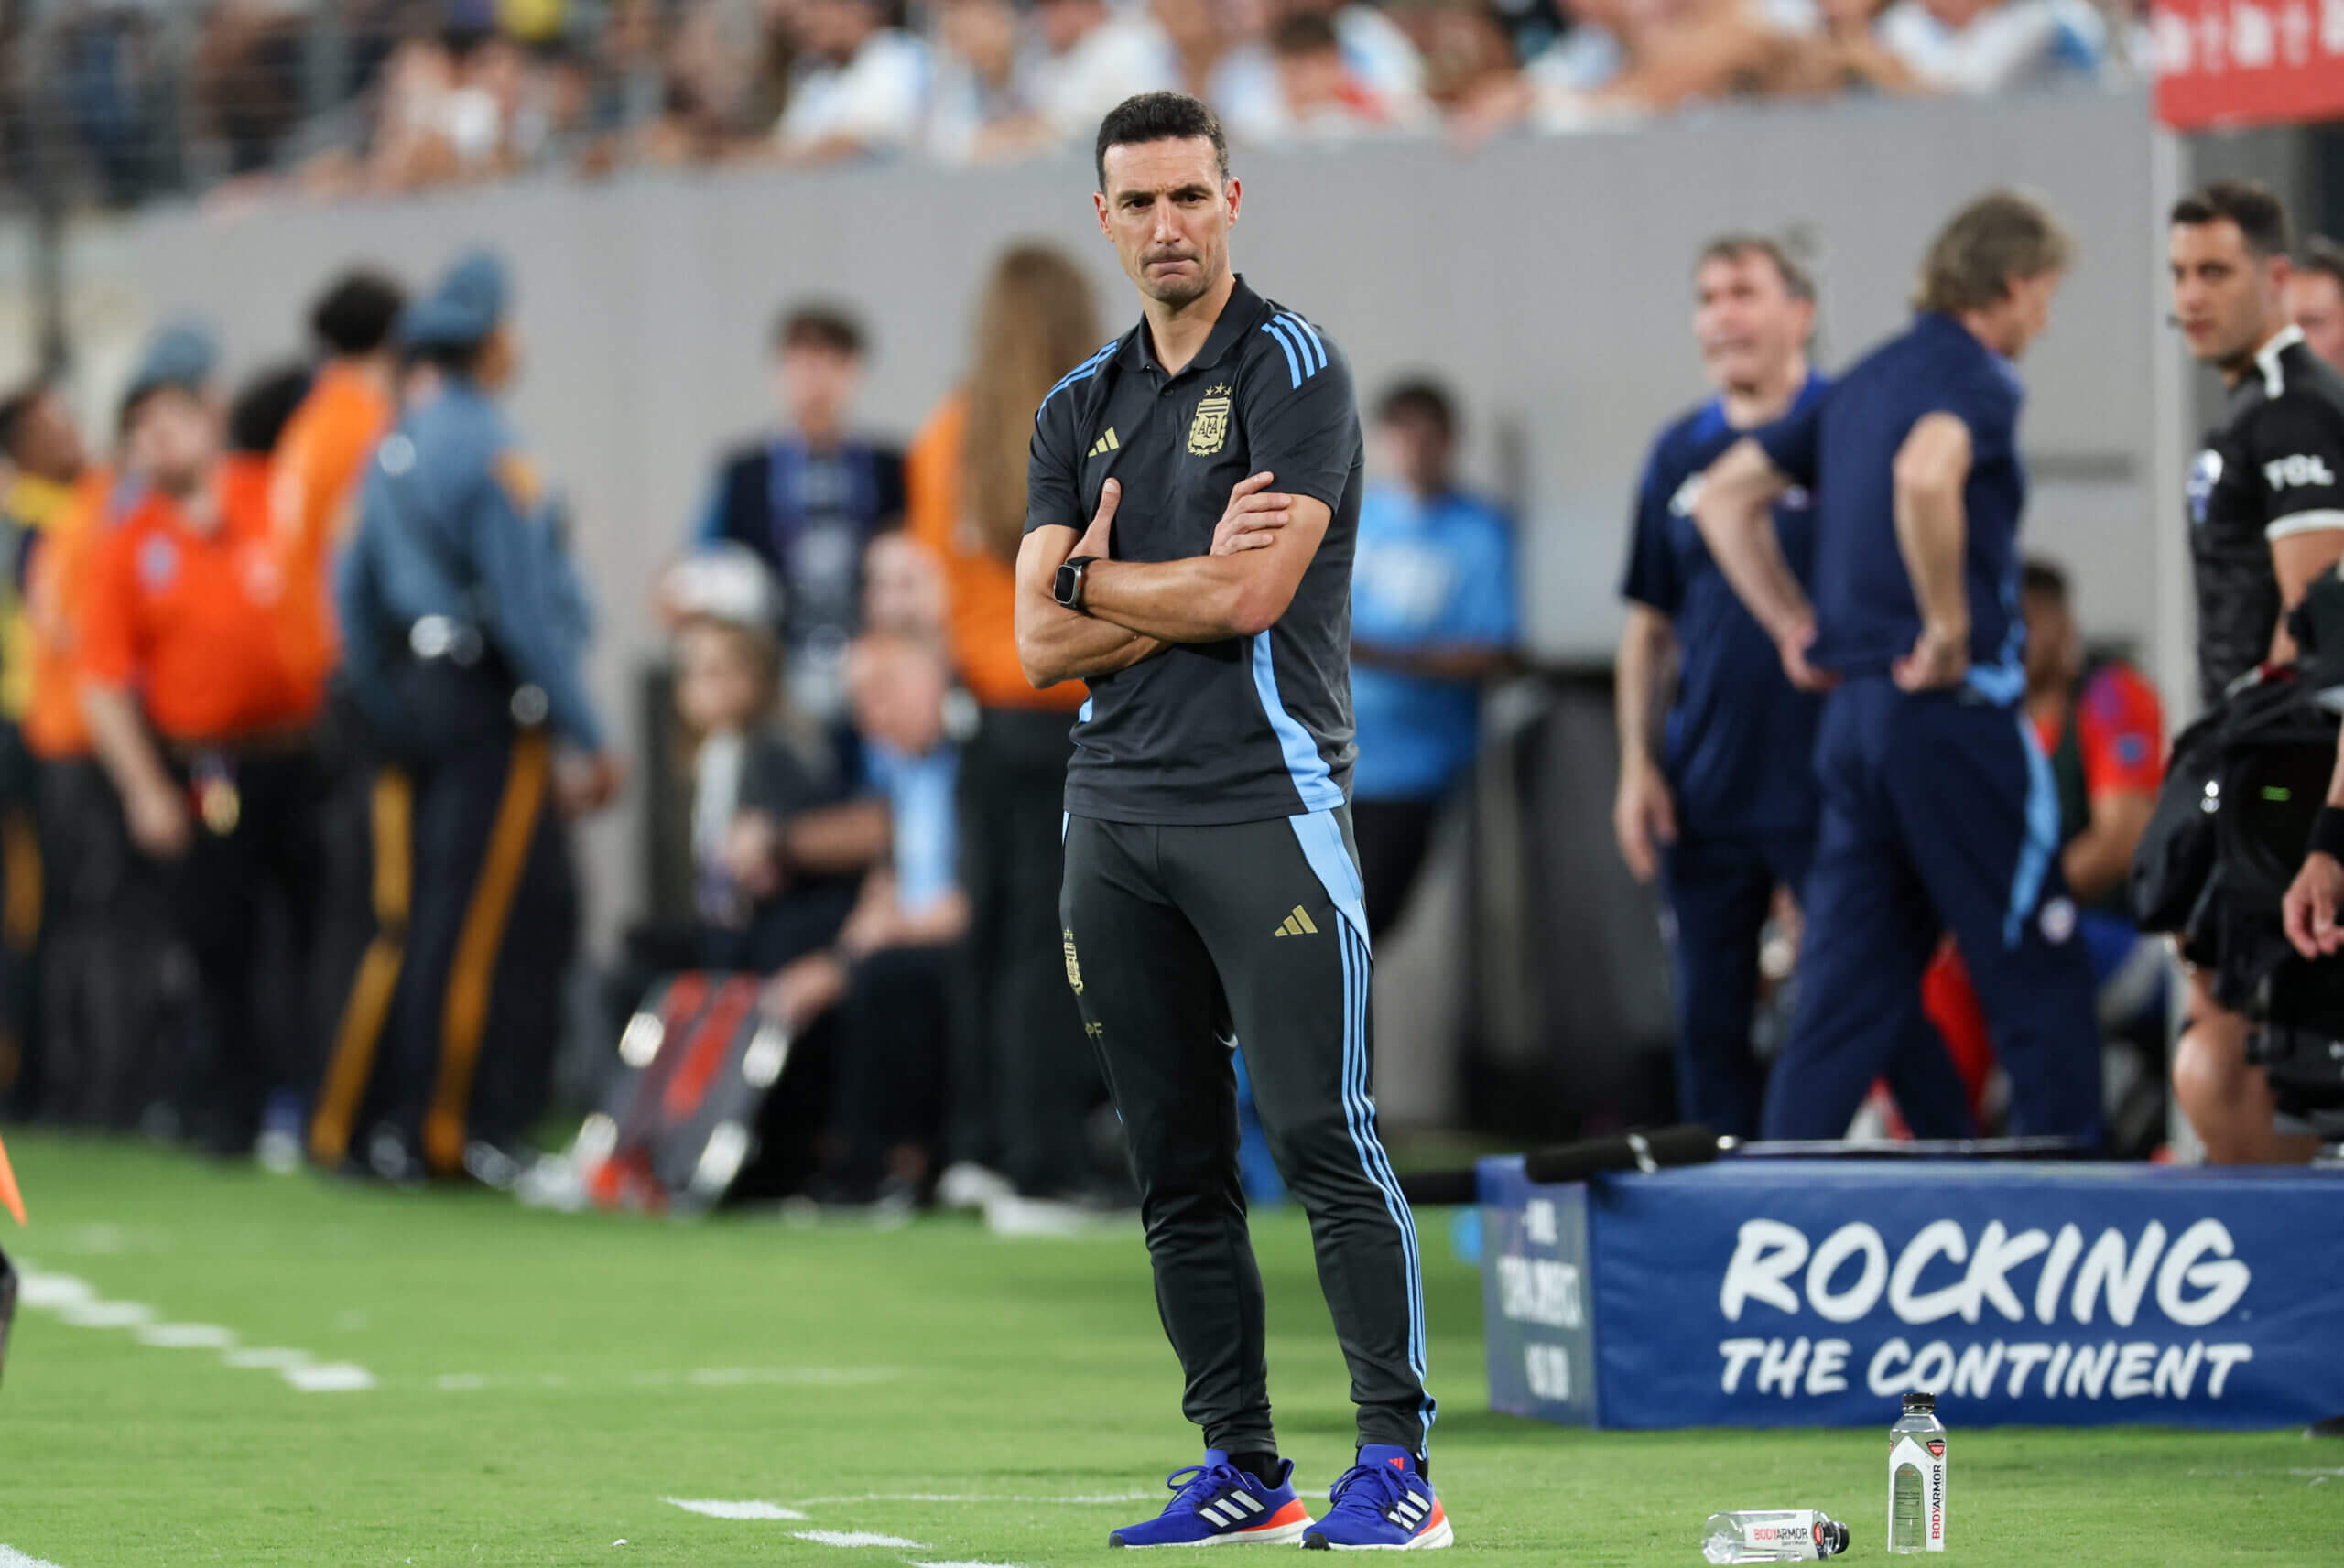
1298 924
1105 444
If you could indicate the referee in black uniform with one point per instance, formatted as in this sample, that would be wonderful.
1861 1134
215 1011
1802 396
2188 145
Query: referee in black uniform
1194 498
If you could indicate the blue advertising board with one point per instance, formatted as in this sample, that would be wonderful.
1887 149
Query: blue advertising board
1763 1293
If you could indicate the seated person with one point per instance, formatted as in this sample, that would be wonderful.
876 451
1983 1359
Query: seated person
883 983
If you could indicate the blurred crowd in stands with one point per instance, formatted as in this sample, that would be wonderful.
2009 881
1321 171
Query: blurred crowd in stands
124 99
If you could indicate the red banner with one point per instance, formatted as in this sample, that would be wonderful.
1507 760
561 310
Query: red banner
2249 63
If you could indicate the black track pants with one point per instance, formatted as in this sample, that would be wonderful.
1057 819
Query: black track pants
1179 941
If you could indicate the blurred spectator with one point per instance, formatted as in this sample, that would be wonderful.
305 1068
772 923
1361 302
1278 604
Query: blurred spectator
1024 1075
247 82
190 700
984 106
903 592
1092 59
1433 618
465 632
2315 297
1850 55
1197 39
1993 46
1323 98
107 996
1252 87
810 502
864 90
314 483
749 761
107 75
887 976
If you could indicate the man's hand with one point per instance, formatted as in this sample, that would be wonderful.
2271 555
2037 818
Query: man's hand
1793 648
1254 517
159 820
1940 657
2311 903
1643 816
584 785
1099 538
806 988
751 854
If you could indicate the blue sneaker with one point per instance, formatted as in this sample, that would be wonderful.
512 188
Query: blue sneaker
1216 1504
1381 1504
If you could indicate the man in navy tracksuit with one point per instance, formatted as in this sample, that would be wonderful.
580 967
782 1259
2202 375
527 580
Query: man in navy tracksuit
1939 811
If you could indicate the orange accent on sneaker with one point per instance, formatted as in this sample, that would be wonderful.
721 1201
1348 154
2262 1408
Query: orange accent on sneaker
1398 1464
1293 1513
1438 1514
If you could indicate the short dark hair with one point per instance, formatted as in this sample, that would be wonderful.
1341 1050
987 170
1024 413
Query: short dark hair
1160 117
830 326
2040 574
1302 33
1797 282
16 416
1418 397
2261 216
357 313
2322 254
263 405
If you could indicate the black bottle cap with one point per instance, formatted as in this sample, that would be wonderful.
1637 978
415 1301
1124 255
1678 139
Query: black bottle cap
1830 1538
1920 1404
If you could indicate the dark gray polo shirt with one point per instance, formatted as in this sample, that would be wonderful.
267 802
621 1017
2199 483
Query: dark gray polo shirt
1251 728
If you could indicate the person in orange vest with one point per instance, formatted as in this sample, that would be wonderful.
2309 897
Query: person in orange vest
206 724
321 456
1025 1077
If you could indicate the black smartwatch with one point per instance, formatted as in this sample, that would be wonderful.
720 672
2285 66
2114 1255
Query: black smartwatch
1067 589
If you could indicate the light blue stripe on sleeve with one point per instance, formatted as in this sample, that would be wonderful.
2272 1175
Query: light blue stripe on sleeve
1307 333
1293 365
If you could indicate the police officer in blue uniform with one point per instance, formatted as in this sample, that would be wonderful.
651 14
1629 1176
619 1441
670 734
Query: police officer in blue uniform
1719 801
465 628
1939 811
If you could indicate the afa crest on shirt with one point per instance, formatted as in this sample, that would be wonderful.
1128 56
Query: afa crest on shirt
1208 431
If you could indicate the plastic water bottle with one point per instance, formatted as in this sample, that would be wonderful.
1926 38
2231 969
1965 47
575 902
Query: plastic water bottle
1916 1477
1773 1535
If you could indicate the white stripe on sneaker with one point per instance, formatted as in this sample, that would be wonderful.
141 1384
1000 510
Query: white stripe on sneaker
1246 1500
1212 1511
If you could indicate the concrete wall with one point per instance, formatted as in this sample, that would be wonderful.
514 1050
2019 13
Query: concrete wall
1546 279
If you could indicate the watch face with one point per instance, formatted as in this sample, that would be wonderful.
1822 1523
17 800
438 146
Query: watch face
1068 583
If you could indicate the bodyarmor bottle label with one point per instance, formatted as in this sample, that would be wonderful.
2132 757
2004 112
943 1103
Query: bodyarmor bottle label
1916 1465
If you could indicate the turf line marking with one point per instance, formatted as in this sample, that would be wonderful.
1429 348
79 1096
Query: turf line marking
184 1336
715 1509
12 1558
77 1303
916 1562
856 1537
327 1377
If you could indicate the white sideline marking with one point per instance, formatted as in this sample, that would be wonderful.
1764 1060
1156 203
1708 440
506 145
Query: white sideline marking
716 1508
12 1558
106 1314
856 1537
327 1377
76 1301
185 1336
53 1290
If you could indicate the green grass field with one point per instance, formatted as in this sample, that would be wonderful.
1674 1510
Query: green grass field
541 1384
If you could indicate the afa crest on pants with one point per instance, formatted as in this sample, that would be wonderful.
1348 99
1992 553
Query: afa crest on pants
1073 968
